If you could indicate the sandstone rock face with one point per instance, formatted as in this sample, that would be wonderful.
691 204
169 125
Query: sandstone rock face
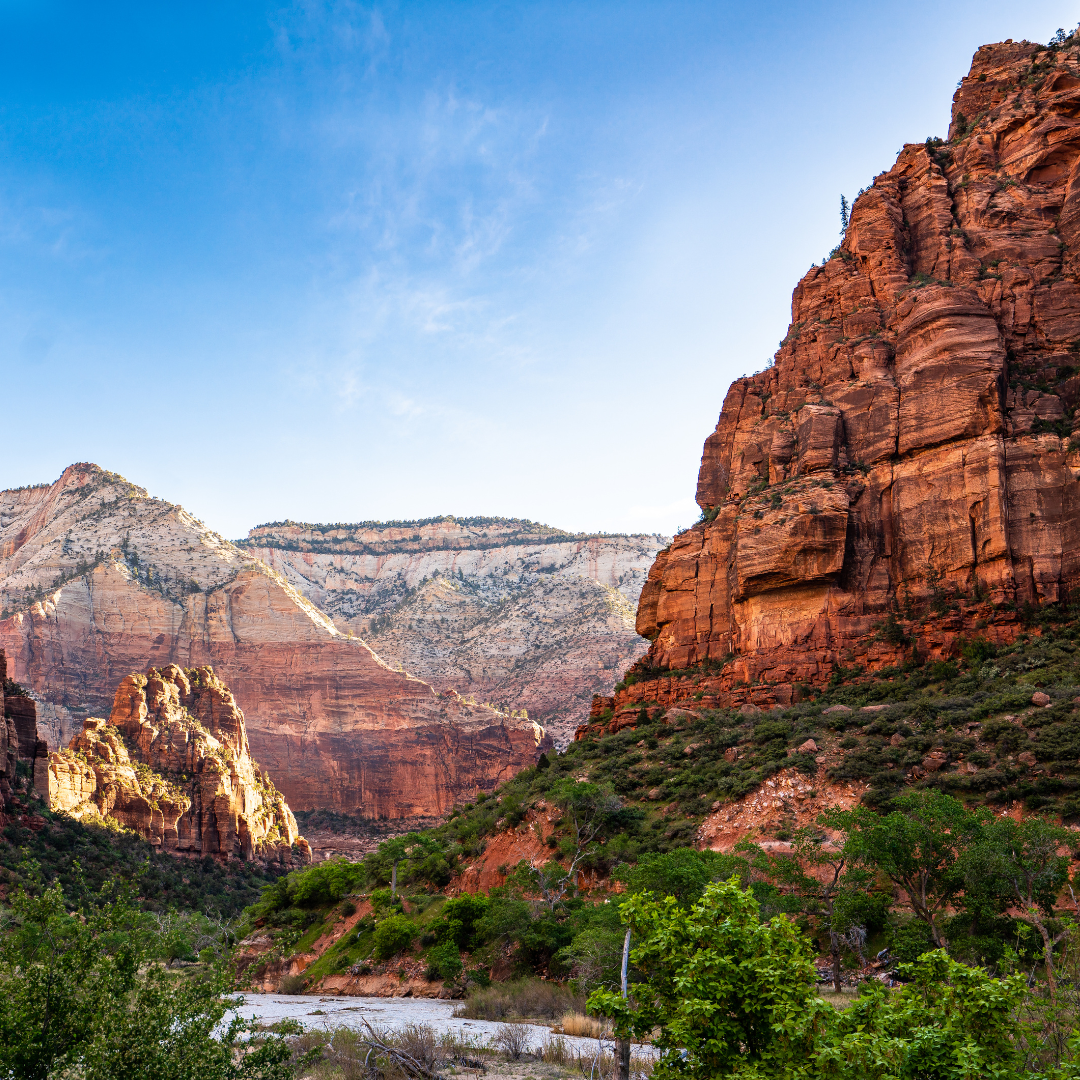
98 580
916 436
512 612
172 763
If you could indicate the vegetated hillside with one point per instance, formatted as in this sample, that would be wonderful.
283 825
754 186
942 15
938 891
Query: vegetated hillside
916 435
513 612
99 580
678 779
39 844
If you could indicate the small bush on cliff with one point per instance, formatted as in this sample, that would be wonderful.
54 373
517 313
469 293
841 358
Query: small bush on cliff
393 935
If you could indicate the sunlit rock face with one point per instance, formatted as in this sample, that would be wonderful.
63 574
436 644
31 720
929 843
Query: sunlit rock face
172 763
97 580
914 439
511 612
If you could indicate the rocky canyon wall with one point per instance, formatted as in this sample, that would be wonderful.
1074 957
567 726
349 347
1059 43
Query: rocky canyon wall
914 446
511 612
97 580
172 763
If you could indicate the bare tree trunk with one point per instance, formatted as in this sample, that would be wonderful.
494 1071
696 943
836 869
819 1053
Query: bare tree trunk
1048 956
834 948
393 881
624 1044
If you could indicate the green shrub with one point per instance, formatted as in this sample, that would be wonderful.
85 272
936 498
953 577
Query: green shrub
326 883
444 961
392 936
910 940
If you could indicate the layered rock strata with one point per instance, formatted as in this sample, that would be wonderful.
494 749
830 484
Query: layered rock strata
172 763
97 580
519 614
913 447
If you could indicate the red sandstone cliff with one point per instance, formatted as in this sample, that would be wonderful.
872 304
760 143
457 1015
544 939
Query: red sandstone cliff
97 580
915 436
172 762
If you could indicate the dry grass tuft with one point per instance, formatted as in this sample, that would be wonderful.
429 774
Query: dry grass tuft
588 1027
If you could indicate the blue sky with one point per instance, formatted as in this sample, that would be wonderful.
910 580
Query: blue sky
341 261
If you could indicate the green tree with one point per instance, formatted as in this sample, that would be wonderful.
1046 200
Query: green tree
917 846
720 982
1018 864
682 873
950 1022
595 954
827 887
84 996
459 918
733 996
393 935
590 811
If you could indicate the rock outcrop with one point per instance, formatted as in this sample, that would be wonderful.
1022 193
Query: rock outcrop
914 445
519 614
172 763
19 740
97 580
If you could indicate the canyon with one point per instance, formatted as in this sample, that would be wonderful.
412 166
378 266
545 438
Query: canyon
522 615
906 472
172 763
99 580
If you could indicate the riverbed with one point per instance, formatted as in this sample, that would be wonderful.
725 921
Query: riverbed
395 1013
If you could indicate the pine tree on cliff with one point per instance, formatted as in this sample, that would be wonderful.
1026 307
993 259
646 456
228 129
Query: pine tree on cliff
845 216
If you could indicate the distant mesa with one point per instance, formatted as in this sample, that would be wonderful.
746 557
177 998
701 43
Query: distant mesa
502 610
98 580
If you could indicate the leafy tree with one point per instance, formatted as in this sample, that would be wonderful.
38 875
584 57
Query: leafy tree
595 955
506 920
950 1022
445 960
720 982
393 935
395 851
83 996
459 919
1018 863
733 996
323 884
828 888
682 873
917 846
590 810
